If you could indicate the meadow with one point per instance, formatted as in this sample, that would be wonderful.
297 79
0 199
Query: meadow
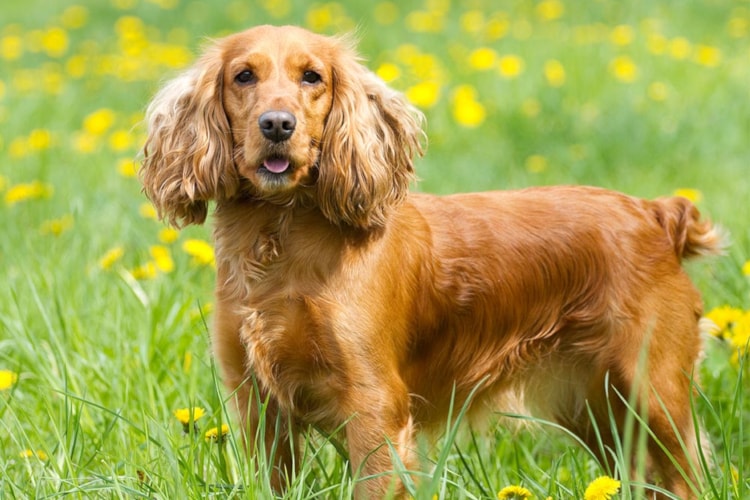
105 312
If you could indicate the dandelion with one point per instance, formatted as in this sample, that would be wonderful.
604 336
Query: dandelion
7 379
424 94
549 10
723 319
691 194
27 453
746 268
388 72
120 140
186 416
510 66
497 27
187 362
472 21
622 35
98 122
111 257
39 139
422 21
706 55
514 493
679 48
216 434
55 42
147 211
168 235
467 111
554 72
11 47
30 191
127 167
162 258
483 58
201 251
147 271
624 69
56 227
601 488
74 17
657 44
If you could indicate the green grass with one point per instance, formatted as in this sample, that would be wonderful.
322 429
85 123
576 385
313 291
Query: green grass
103 359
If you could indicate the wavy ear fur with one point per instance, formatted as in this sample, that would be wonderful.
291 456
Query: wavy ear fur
370 137
188 153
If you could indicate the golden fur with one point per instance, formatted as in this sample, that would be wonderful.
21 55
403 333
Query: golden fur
353 302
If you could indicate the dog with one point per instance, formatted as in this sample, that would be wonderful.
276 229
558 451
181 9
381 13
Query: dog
347 301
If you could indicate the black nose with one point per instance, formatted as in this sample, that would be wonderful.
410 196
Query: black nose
277 126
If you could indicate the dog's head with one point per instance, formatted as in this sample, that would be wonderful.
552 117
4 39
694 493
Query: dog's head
282 115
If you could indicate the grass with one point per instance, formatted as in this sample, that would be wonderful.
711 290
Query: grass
652 99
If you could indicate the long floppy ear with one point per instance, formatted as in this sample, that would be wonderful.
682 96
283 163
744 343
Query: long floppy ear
188 153
370 137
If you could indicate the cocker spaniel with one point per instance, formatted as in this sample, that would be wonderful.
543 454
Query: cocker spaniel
348 301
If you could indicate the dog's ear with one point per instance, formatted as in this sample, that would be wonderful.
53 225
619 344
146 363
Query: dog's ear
188 153
370 138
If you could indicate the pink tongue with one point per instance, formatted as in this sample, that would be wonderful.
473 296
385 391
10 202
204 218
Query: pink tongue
276 165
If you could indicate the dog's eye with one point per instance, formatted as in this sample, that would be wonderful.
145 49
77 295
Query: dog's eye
311 77
245 77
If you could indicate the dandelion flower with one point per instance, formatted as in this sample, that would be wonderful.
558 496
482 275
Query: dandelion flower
510 66
467 111
201 251
549 10
30 453
147 211
98 122
514 493
554 72
7 379
746 268
483 58
55 42
680 48
56 227
691 194
624 69
706 55
217 434
622 35
127 167
111 257
31 191
168 235
147 271
601 488
162 258
388 72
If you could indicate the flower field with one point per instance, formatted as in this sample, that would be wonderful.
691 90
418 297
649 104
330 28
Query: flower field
107 388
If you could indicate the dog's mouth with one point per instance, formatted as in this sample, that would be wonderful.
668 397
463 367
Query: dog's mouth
275 165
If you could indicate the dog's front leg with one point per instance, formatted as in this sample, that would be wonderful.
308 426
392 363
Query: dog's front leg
374 433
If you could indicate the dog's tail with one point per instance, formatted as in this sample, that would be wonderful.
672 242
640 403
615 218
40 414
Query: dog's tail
689 235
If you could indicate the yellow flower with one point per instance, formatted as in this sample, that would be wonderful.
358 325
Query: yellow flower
746 268
56 227
162 258
201 251
472 21
127 167
691 194
120 140
184 415
483 58
111 257
550 10
30 453
98 122
706 55
388 72
55 42
622 35
147 211
724 318
467 111
31 191
601 488
510 66
216 434
74 17
514 493
423 21
385 13
424 94
11 47
554 72
624 69
679 48
168 235
145 271
7 379
39 139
